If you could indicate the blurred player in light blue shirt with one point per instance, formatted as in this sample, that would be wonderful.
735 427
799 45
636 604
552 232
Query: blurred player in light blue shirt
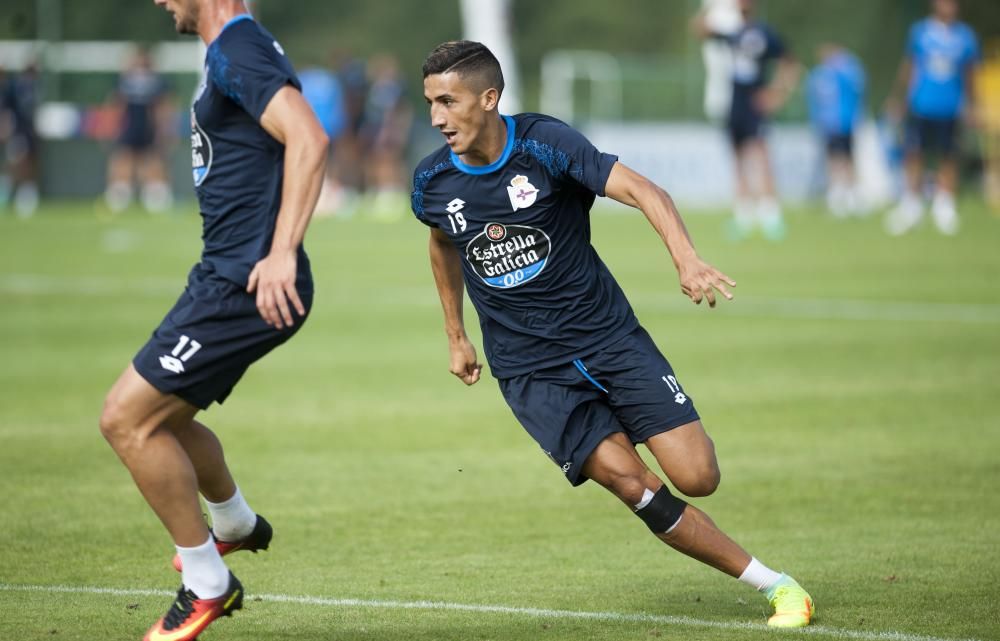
835 92
324 92
938 76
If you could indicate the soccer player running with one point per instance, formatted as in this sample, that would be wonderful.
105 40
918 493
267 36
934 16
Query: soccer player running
938 76
508 199
258 155
755 46
835 93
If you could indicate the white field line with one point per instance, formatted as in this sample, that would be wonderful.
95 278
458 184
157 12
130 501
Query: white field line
645 301
541 613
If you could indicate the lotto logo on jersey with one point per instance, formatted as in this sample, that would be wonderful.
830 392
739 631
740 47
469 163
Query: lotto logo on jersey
506 256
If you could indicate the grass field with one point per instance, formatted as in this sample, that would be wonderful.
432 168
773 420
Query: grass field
851 388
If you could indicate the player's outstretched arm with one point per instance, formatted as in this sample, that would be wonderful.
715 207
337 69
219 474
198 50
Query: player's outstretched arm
289 119
448 278
698 279
782 85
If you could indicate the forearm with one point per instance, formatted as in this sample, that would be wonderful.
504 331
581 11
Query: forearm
786 78
972 89
898 92
659 209
450 286
305 165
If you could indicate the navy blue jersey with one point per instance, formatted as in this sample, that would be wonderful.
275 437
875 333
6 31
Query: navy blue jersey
238 166
522 229
754 46
141 90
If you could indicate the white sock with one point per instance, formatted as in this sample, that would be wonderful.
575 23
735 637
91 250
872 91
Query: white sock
768 211
232 519
744 214
204 572
156 197
911 202
759 576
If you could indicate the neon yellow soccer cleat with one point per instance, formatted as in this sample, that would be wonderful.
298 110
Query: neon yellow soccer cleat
793 607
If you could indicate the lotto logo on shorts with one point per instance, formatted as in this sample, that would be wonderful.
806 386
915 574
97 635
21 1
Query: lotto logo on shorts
675 387
175 362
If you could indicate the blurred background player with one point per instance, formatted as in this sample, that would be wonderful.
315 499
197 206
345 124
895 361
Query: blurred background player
20 101
139 157
323 91
937 74
385 132
258 159
835 92
754 46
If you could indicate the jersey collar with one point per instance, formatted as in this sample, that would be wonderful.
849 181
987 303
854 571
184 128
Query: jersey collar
234 20
478 170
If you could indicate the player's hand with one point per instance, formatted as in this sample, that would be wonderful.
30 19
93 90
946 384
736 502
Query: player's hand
894 109
769 100
700 281
464 363
273 278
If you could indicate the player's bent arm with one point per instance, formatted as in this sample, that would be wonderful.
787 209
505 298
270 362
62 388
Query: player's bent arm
972 103
289 120
782 85
447 269
894 103
698 279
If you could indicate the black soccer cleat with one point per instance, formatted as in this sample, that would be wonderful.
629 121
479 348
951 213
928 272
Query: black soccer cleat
258 539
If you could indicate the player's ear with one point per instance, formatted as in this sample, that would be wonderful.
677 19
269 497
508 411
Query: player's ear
489 99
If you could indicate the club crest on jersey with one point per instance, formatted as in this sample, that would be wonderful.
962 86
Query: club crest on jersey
506 256
522 193
201 152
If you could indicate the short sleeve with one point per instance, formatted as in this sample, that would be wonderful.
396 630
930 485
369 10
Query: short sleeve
775 45
422 175
913 42
973 54
585 164
250 71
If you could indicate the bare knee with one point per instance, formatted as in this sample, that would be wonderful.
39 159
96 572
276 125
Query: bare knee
700 481
113 421
121 428
630 487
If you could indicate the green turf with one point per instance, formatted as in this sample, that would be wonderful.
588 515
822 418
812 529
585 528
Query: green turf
851 390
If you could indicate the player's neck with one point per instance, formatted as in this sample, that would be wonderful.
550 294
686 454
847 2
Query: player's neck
216 15
489 145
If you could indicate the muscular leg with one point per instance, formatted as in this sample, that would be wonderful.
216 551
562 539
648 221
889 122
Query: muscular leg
686 454
947 174
617 466
913 168
755 154
205 452
135 421
744 215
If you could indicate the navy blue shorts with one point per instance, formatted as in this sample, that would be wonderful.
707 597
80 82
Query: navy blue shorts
745 121
626 387
840 144
211 336
932 136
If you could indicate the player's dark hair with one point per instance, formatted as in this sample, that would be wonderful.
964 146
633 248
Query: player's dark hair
472 61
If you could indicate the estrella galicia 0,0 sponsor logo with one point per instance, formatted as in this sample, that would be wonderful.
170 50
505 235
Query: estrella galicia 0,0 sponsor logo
506 256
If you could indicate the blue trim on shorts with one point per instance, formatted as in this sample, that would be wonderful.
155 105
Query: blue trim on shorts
583 370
